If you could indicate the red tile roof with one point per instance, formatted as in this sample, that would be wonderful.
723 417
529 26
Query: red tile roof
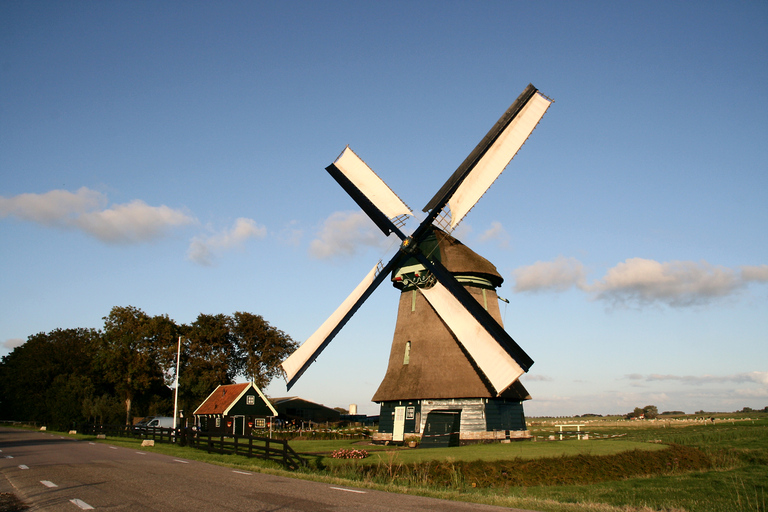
221 398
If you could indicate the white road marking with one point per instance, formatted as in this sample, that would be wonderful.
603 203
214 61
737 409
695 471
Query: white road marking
9 456
48 483
91 443
80 503
348 490
182 461
113 447
23 466
242 472
141 453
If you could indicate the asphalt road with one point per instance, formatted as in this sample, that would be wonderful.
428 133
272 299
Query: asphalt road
52 472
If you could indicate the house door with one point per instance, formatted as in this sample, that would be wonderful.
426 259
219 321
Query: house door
239 429
399 427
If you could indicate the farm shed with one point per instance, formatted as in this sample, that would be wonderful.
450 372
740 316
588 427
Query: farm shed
296 410
234 409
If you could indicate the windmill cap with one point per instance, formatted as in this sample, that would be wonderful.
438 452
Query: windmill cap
456 257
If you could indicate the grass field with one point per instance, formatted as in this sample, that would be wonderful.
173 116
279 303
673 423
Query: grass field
675 465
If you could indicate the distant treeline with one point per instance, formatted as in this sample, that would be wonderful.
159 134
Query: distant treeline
127 368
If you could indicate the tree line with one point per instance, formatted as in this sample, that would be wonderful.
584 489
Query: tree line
127 369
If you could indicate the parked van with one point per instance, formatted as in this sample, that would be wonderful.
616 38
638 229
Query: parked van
156 421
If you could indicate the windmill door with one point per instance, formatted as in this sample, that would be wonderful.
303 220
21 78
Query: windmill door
441 429
399 427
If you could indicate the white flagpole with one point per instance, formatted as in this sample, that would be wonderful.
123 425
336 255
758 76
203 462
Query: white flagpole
176 399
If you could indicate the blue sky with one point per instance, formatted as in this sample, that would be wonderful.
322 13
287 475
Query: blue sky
170 156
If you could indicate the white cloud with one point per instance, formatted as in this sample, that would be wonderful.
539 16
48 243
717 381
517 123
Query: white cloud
496 233
539 378
55 208
291 234
12 343
676 283
202 249
640 281
134 222
698 380
758 273
558 275
346 233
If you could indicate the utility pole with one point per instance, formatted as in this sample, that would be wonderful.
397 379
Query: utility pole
176 398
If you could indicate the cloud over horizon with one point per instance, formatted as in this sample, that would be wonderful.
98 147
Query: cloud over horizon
203 249
641 282
345 234
86 210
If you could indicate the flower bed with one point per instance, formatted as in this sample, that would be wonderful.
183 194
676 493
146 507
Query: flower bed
344 453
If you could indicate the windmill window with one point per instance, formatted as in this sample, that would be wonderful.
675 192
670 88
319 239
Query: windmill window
407 357
250 400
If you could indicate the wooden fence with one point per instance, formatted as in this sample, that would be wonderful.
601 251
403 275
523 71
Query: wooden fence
276 450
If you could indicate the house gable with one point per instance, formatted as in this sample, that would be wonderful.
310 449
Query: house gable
236 399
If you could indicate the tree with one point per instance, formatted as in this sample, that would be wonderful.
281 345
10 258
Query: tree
209 358
650 412
131 353
260 347
37 377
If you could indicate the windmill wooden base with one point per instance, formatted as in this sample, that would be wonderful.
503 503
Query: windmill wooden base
452 422
432 388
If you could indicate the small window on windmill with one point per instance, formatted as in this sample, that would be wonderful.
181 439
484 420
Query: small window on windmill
407 357
250 400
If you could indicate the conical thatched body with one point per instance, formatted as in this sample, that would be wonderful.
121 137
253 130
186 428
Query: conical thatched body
429 372
426 360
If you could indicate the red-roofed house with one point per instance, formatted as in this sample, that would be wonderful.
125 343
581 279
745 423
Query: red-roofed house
234 409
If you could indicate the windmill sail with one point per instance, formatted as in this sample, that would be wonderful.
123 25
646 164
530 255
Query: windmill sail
492 349
305 355
497 365
368 190
489 159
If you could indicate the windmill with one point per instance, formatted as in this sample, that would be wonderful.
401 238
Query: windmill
457 305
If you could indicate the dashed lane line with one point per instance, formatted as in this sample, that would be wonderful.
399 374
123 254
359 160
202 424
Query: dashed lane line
48 483
80 503
348 490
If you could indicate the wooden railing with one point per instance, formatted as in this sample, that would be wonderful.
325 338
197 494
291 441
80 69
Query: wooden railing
249 446
276 450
